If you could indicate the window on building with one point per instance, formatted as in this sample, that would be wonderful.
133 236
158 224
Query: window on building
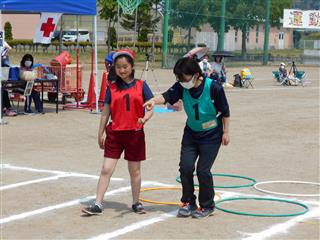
236 36
281 35
257 34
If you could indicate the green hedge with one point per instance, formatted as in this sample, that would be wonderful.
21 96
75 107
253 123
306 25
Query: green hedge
139 46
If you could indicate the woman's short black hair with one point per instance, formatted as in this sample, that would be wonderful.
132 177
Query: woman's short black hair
216 58
25 58
187 66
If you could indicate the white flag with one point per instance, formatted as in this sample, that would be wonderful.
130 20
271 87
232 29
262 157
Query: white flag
46 26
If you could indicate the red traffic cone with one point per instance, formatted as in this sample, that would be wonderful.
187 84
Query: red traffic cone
103 86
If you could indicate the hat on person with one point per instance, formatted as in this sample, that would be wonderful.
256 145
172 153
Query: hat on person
125 51
109 58
282 64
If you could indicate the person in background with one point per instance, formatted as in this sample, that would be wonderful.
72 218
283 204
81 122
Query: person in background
205 66
218 70
5 62
283 71
27 74
6 105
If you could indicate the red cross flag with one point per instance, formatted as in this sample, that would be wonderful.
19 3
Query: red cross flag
46 27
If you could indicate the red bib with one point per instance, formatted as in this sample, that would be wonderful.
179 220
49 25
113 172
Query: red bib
126 106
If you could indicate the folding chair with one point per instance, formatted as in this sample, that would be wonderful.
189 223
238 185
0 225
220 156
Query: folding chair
247 81
276 75
16 97
246 77
300 75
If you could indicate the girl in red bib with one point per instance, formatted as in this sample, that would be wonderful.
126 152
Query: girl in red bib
124 104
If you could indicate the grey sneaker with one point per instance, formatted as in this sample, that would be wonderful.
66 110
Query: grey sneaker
92 210
186 210
202 212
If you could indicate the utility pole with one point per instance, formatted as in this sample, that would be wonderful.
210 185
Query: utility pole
165 34
222 25
266 34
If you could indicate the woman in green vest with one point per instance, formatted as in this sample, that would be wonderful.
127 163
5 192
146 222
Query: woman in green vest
207 127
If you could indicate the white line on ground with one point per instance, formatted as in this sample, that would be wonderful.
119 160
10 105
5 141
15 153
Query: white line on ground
227 194
135 226
8 166
163 217
282 227
138 225
42 210
72 203
33 181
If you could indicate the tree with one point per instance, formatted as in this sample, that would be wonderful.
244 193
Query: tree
187 14
214 16
247 14
145 19
143 36
8 31
109 12
112 38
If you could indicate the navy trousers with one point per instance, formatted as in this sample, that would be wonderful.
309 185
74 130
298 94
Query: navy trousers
206 154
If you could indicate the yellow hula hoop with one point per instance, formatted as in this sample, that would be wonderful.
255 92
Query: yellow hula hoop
216 198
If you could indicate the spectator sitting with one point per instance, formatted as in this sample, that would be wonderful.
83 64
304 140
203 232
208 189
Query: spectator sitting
283 71
6 106
27 74
218 70
205 66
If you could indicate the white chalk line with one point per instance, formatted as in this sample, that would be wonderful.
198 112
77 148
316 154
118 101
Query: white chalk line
15 185
282 227
9 166
227 194
72 203
276 229
163 217
135 226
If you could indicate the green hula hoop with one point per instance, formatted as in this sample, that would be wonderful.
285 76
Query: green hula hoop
262 215
253 182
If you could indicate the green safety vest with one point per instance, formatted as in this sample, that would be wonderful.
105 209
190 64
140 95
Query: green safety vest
201 112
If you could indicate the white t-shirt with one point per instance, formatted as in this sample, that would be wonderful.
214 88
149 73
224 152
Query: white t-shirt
217 67
205 67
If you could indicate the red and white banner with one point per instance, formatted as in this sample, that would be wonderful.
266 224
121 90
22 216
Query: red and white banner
46 26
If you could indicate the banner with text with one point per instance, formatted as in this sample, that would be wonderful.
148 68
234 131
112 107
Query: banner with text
295 18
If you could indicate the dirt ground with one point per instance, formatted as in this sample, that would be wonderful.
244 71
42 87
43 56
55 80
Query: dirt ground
50 164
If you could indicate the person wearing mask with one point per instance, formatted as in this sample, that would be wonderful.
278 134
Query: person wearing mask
27 74
207 127
205 66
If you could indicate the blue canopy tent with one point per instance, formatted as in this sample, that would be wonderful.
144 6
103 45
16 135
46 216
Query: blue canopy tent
71 7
